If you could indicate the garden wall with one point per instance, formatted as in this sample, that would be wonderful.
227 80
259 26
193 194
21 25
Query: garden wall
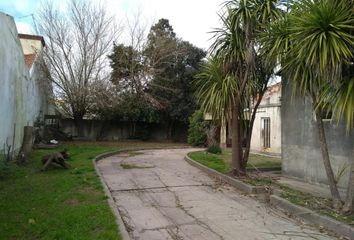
120 130
301 152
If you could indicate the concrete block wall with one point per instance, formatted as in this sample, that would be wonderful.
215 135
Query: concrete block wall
120 130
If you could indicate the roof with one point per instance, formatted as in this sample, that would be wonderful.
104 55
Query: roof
32 37
275 88
29 59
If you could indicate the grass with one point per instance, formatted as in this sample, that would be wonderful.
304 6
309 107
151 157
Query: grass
210 160
222 162
318 204
255 160
59 203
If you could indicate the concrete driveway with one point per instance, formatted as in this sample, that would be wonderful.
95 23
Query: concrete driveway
160 196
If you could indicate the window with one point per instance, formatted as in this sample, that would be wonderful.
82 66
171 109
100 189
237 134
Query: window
265 132
326 115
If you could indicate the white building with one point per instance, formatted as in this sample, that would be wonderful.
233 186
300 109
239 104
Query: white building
266 134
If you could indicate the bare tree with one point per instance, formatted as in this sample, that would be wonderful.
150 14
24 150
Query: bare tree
78 38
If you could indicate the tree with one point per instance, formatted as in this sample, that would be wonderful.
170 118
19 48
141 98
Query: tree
77 42
171 84
314 43
343 98
235 48
341 95
133 68
158 68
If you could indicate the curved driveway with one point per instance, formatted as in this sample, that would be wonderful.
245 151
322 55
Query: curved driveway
160 196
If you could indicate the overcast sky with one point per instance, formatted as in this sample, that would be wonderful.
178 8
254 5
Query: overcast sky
191 19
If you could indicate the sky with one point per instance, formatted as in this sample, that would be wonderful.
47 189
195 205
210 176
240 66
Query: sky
192 20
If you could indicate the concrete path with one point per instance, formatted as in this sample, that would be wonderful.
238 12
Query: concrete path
160 196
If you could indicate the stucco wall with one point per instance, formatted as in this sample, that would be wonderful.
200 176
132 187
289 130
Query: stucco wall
300 146
270 107
273 112
21 96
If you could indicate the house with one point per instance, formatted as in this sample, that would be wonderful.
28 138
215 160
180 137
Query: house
266 134
301 154
25 93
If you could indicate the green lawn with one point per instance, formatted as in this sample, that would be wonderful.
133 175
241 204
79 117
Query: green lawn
213 161
259 161
59 203
222 162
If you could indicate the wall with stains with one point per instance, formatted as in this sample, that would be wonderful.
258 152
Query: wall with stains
22 99
301 154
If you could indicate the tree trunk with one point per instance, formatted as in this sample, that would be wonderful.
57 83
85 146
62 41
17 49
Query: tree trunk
337 203
27 144
246 153
348 205
250 128
223 133
236 142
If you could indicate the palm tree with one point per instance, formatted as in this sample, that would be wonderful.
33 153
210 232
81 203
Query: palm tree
342 97
236 48
313 43
217 92
230 50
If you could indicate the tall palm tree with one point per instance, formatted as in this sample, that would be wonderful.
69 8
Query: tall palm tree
230 48
344 104
236 47
313 43
217 92
342 98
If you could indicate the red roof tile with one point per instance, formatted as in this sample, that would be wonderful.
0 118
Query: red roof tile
29 59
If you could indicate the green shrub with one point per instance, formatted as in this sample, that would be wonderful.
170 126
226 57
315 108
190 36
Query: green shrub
197 129
214 149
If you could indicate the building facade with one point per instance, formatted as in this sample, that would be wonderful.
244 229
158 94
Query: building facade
266 134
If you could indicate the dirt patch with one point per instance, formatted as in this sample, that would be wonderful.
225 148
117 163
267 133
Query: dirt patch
90 191
134 166
72 202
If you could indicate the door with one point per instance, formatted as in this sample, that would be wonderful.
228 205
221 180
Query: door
265 132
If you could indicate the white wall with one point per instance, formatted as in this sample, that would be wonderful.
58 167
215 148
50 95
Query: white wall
21 95
269 107
275 130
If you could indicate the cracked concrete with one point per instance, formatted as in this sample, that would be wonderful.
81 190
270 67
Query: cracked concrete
174 200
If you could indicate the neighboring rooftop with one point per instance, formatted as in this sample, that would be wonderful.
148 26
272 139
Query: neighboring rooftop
31 46
29 59
32 37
